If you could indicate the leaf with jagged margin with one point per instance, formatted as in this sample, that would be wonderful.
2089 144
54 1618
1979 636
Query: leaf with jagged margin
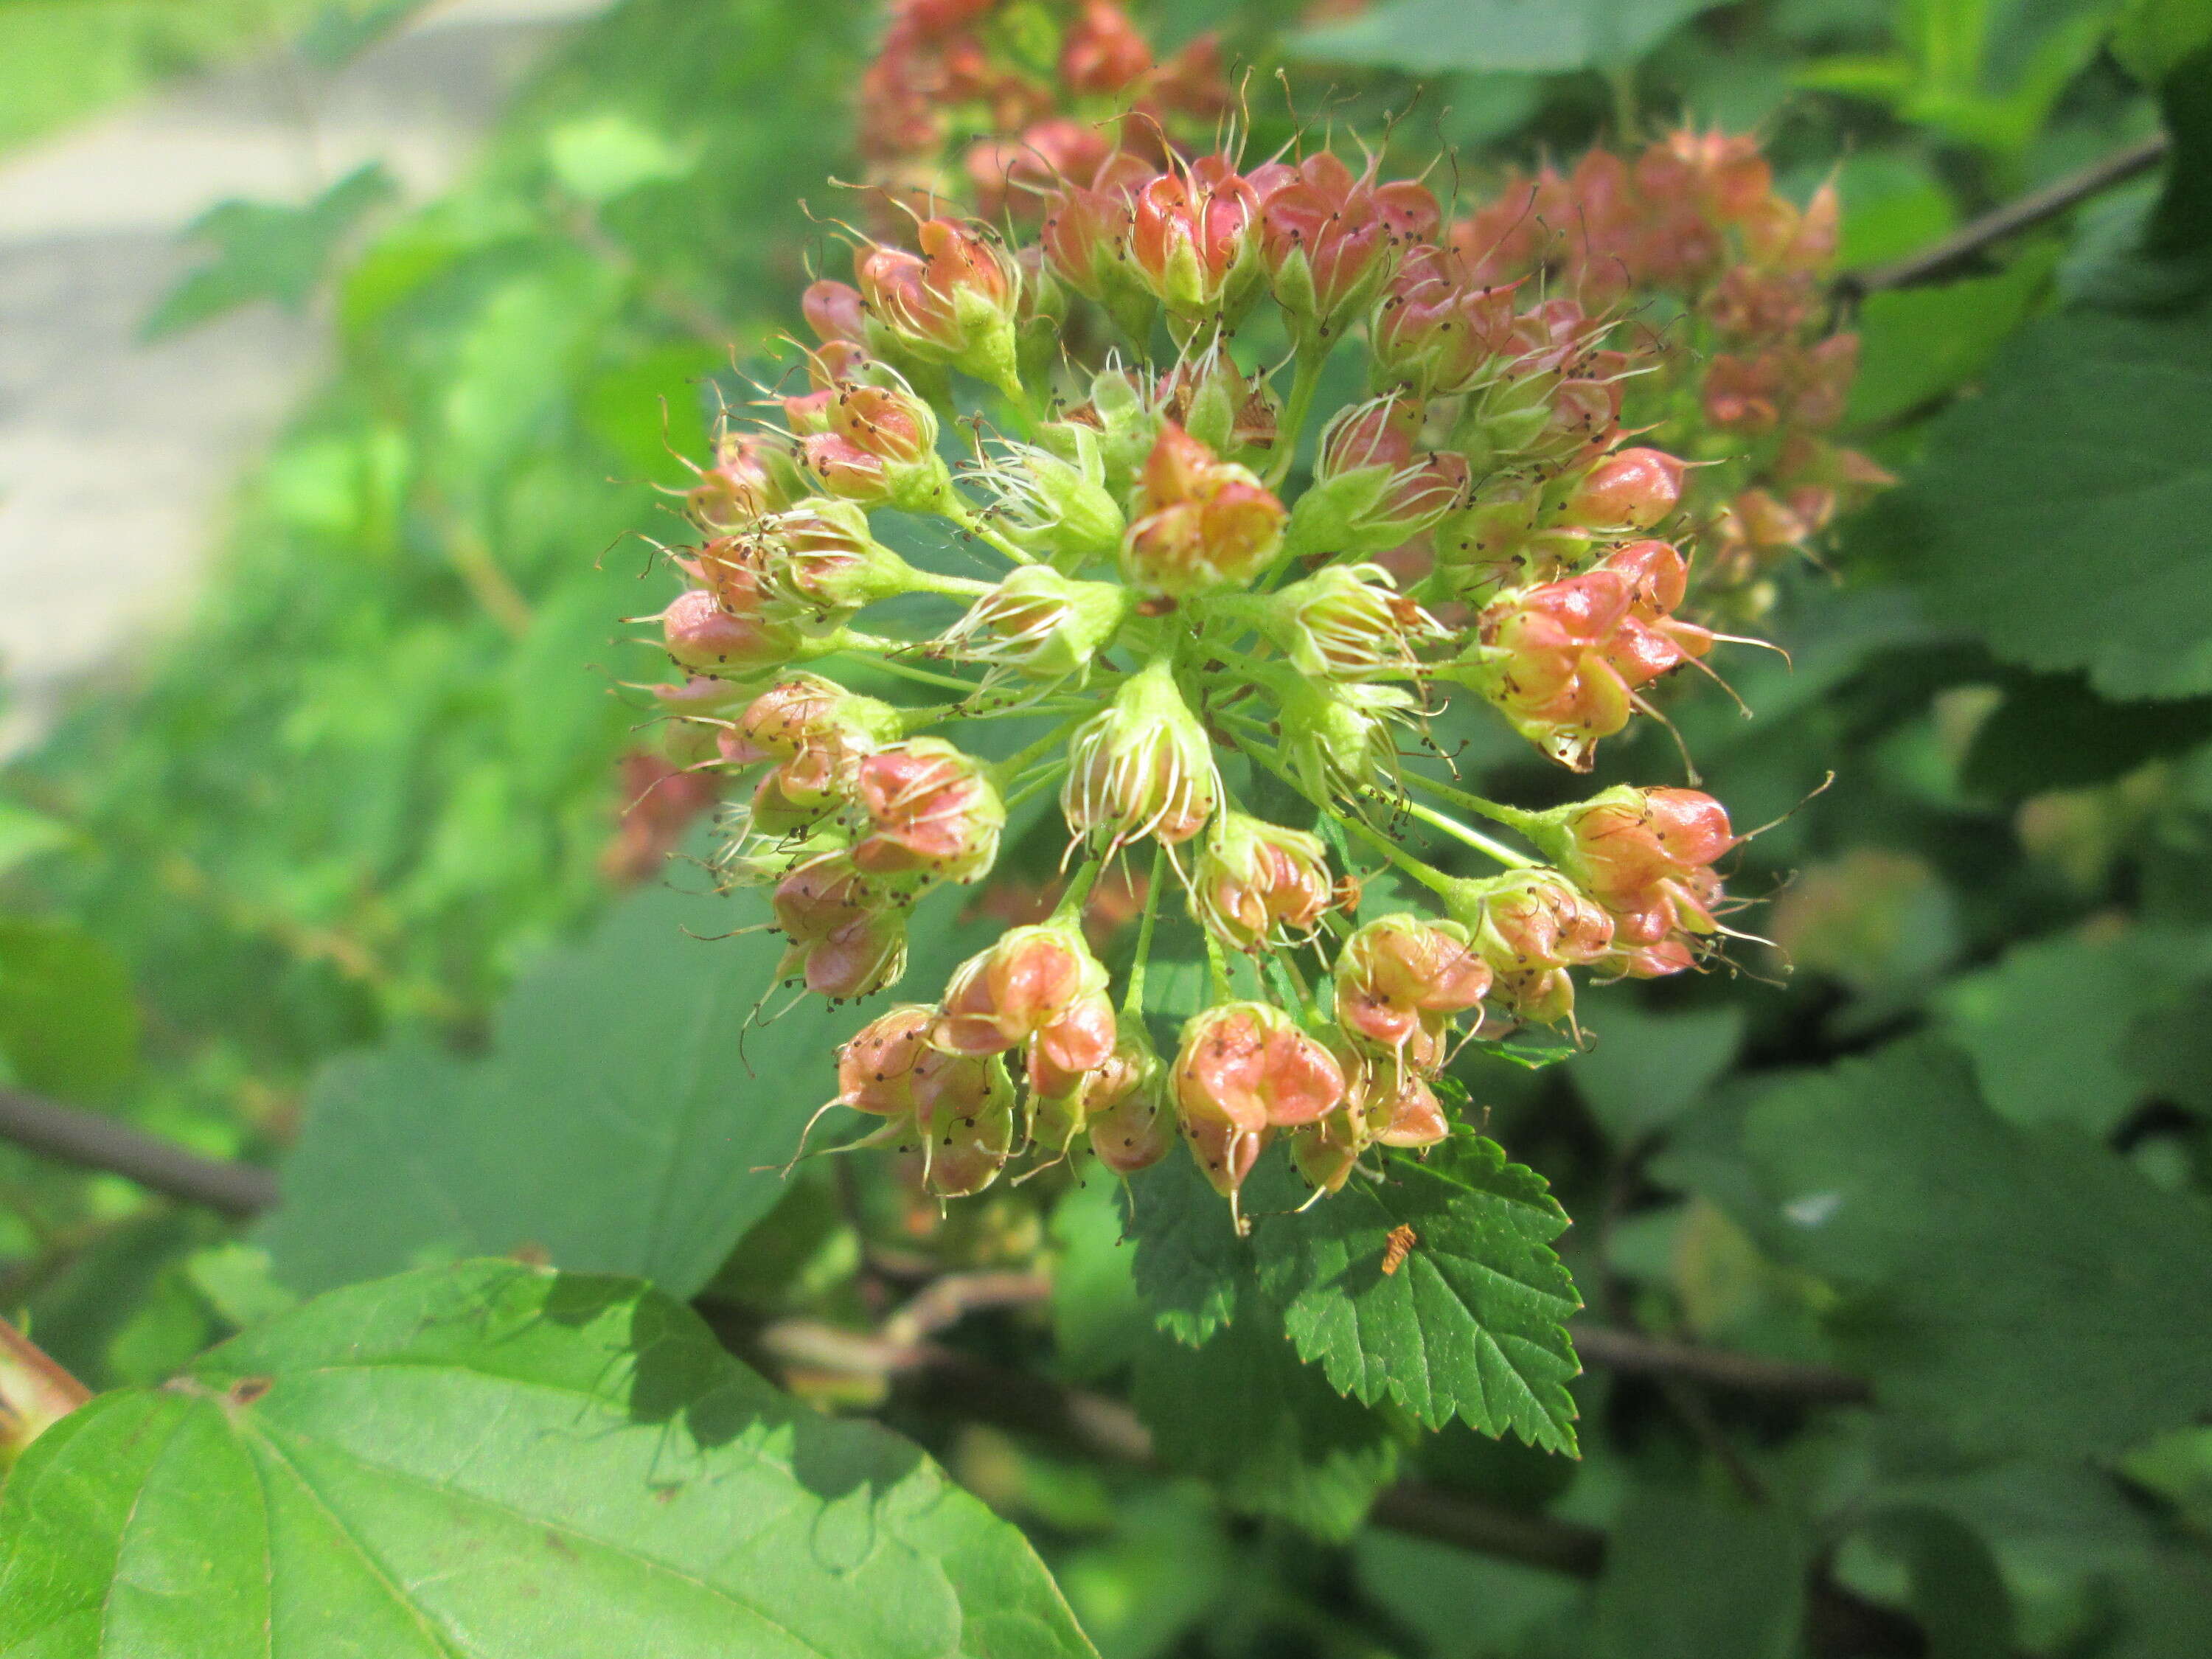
1472 1324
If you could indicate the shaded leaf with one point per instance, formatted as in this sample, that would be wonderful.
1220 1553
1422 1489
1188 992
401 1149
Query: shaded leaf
2052 1028
519 1462
267 251
1268 1431
617 1125
2054 731
1472 1323
1427 36
69 1025
1642 1069
2056 512
2015 1290
1918 343
1689 1576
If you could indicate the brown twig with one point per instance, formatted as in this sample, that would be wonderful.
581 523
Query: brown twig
1741 1373
93 1141
946 1384
96 1142
1959 250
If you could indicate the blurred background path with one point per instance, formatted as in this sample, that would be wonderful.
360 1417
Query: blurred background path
115 456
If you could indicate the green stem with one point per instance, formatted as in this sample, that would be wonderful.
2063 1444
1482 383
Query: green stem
1459 832
1512 818
1025 406
863 646
1218 968
1305 382
1134 1003
1071 902
1012 767
968 519
1430 878
951 587
1043 780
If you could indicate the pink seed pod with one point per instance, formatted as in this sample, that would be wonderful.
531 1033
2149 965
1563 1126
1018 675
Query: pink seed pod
1248 1065
875 1067
1325 1153
878 447
1327 238
955 302
803 713
703 634
752 476
835 312
818 562
1103 53
964 1109
1632 489
1531 925
853 959
1143 767
1031 978
1646 855
1257 883
1400 979
1200 523
1194 239
1126 1109
1435 331
885 421
929 811
1085 231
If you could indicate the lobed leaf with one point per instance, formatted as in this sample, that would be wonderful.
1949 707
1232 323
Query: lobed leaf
1472 1323
624 1120
508 1463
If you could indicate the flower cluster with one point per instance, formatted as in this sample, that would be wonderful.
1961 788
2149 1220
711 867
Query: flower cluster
999 101
1749 375
1185 622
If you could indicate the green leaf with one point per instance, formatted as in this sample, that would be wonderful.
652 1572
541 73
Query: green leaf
343 29
601 157
1644 1069
2054 731
2154 37
25 834
1463 1606
1098 1319
69 1025
1269 1432
503 1462
1918 344
2052 1028
2014 1290
1472 1323
1689 1576
265 251
1188 1261
1955 1588
2056 513
1429 36
623 1121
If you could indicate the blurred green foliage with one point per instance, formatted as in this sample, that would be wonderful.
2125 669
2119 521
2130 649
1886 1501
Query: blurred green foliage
1964 1150
60 60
